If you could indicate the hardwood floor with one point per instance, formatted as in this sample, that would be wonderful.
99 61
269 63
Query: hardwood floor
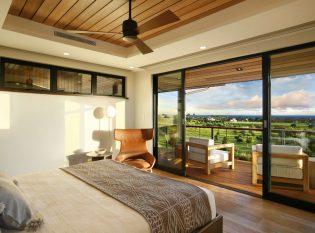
240 178
244 214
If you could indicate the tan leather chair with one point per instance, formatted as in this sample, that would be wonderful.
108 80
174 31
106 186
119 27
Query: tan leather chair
133 148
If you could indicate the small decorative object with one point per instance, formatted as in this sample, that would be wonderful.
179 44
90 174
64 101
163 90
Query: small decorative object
35 223
100 151
29 82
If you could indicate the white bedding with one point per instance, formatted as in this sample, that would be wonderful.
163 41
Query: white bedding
69 205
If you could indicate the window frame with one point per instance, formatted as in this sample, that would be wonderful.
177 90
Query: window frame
53 79
23 63
64 69
122 79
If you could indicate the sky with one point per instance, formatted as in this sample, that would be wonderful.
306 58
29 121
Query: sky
294 95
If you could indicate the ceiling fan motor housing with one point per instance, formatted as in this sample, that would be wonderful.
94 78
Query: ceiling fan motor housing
130 30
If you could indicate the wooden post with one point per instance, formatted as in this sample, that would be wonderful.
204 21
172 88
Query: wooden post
208 171
232 156
306 184
254 167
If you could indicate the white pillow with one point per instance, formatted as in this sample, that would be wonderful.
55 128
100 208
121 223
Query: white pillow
2 206
17 212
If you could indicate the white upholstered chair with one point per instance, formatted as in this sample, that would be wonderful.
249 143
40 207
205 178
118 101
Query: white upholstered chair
289 165
205 151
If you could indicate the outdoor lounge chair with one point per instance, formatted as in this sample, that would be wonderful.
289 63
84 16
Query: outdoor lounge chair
205 151
289 165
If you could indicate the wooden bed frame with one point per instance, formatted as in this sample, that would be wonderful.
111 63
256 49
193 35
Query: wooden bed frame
215 226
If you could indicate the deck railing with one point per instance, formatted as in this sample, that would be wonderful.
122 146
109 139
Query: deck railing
242 137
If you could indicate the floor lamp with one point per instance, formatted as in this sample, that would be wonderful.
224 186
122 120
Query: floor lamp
99 114
110 113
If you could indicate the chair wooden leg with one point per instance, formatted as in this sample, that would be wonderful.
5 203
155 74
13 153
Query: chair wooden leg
306 183
207 160
231 157
254 168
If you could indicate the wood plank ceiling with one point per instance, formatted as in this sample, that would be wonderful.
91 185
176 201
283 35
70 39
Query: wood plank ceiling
214 75
108 15
282 65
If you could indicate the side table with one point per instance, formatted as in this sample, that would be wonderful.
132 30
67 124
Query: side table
92 156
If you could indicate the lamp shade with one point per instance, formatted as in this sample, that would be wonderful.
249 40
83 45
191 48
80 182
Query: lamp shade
98 113
111 112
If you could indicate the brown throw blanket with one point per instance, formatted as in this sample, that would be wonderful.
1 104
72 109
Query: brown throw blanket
169 206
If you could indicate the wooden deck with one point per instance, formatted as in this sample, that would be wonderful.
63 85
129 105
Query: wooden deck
246 214
239 178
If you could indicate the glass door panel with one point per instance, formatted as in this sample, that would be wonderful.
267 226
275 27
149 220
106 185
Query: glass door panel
224 112
292 135
170 121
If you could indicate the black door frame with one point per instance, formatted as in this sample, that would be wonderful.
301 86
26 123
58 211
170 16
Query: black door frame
182 171
267 194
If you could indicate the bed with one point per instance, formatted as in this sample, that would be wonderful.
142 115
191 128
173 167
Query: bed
70 205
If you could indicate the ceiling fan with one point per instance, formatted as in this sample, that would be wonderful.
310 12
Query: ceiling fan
130 29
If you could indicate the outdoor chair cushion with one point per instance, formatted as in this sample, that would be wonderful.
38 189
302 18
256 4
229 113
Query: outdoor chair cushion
286 150
282 149
283 171
296 163
216 156
201 141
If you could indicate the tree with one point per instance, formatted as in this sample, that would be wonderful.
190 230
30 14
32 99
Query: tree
249 140
239 138
216 136
225 140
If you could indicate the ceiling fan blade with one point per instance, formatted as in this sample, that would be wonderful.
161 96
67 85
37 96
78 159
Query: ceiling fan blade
165 18
93 32
144 49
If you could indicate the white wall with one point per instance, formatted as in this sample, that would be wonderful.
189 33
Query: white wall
38 131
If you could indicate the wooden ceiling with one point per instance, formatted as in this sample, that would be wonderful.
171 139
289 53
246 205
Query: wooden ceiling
108 15
214 75
293 63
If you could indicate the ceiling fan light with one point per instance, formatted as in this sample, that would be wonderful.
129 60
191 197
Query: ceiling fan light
130 39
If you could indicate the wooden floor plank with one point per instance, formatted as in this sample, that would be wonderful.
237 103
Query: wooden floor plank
239 178
247 214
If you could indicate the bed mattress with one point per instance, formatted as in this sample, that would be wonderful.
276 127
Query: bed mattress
69 205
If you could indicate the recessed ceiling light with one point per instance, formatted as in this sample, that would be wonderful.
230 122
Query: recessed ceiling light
131 67
239 68
203 47
66 54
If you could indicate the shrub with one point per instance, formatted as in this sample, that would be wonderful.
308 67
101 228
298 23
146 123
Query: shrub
243 156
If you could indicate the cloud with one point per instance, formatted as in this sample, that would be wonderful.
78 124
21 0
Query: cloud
291 103
254 102
300 99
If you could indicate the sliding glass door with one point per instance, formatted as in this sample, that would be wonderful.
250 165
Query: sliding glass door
224 112
170 122
272 132
292 125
